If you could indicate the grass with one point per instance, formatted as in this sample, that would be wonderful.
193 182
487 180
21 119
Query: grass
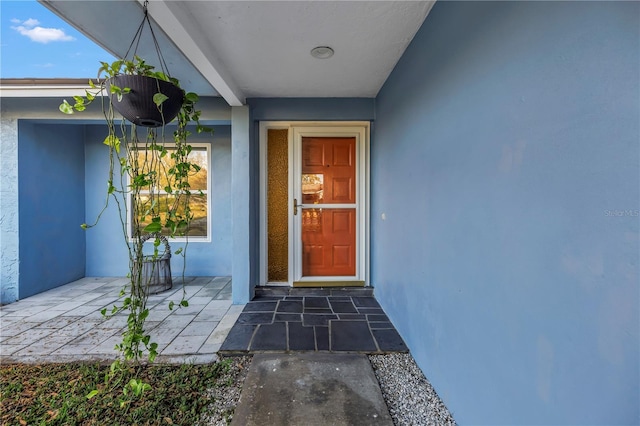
56 394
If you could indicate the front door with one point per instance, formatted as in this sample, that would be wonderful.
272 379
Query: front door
314 198
328 206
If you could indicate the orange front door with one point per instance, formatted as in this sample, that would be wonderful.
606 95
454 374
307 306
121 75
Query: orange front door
329 206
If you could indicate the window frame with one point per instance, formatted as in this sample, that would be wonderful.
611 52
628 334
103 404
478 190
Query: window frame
191 239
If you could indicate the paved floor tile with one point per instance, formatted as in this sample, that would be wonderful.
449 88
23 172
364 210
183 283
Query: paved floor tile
65 323
184 345
198 329
322 338
389 341
313 320
261 306
301 338
270 337
351 336
6 350
239 338
255 318
316 302
289 306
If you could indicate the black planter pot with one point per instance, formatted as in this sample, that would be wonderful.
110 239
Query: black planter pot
138 107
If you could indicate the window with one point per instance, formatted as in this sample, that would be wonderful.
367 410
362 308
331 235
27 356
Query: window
199 190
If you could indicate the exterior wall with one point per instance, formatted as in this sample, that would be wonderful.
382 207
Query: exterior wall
106 252
505 209
51 200
9 220
316 109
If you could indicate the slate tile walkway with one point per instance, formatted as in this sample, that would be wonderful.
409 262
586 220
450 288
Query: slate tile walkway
322 319
64 324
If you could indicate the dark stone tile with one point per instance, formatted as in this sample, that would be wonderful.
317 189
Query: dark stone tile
377 318
260 306
389 341
317 319
316 302
353 291
366 302
352 336
293 298
272 291
290 306
343 307
317 311
300 291
381 325
266 298
360 317
270 337
339 299
301 338
377 311
322 337
288 317
238 338
255 318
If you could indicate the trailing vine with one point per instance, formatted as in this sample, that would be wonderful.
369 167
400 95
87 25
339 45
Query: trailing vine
148 180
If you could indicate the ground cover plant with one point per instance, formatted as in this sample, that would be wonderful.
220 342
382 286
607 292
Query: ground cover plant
61 394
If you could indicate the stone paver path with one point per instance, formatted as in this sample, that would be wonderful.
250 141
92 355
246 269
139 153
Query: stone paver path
65 324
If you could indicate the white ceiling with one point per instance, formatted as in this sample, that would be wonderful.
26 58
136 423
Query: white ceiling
261 48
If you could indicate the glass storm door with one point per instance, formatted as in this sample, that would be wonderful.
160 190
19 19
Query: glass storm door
326 207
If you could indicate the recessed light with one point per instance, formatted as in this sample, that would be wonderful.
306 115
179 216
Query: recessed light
322 52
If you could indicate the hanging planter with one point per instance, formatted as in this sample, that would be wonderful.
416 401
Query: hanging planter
148 181
141 105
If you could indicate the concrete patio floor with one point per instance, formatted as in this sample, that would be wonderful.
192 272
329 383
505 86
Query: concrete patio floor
65 324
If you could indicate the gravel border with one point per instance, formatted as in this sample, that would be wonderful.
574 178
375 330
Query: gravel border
225 397
410 398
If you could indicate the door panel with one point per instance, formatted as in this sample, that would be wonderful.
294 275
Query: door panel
328 242
328 234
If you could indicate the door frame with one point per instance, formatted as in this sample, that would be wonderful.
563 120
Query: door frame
298 129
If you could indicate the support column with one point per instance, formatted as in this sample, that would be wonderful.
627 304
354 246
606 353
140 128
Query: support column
9 254
242 287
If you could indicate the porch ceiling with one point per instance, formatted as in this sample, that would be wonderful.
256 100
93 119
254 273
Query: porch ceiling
241 49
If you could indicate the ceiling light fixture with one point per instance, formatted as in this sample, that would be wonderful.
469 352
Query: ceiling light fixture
322 52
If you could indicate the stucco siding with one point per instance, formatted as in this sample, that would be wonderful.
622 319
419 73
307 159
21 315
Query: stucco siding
51 201
9 243
505 198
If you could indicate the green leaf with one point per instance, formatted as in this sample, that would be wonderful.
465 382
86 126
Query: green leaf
184 303
92 393
112 141
171 305
65 107
192 97
159 98
153 227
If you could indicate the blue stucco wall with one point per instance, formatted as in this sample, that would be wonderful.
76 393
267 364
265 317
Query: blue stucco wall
505 183
51 206
106 252
312 109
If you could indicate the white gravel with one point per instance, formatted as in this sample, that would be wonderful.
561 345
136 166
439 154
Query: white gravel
409 396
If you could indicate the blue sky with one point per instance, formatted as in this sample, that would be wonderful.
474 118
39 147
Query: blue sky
35 43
